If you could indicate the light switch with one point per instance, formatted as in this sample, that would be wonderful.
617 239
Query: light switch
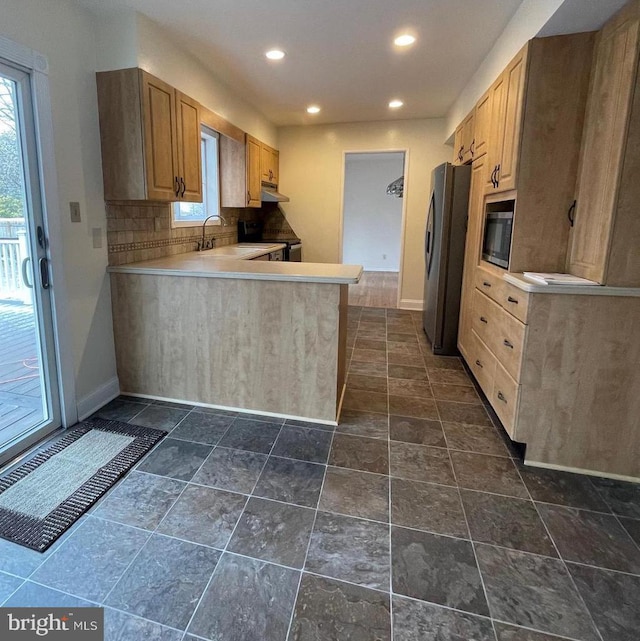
74 209
96 233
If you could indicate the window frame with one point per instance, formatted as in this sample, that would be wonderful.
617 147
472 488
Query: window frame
209 196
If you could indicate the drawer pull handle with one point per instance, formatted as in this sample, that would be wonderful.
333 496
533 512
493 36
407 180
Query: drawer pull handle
484 282
479 364
511 299
507 344
502 397
483 319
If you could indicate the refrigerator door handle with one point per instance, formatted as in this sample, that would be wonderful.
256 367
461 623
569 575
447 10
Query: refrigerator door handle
430 232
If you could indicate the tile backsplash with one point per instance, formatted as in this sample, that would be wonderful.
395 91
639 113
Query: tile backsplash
142 231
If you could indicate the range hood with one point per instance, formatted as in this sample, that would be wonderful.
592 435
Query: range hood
270 194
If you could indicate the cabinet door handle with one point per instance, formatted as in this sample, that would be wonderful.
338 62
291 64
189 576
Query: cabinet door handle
498 176
472 149
177 186
184 187
479 364
483 319
507 343
486 284
571 214
461 153
511 299
502 397
493 176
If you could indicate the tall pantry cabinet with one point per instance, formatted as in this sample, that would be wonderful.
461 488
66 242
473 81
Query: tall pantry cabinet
559 366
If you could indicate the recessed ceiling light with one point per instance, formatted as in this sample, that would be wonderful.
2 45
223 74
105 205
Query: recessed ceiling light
395 104
404 40
313 109
275 54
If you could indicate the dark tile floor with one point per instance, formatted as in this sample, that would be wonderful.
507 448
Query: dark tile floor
413 520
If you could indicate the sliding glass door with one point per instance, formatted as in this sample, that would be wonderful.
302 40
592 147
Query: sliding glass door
29 399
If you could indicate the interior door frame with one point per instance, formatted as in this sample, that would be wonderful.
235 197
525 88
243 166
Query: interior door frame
36 66
403 223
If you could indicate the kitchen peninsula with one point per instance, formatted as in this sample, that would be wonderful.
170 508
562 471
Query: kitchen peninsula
248 335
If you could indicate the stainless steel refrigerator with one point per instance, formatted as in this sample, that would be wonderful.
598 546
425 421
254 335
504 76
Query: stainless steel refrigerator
444 255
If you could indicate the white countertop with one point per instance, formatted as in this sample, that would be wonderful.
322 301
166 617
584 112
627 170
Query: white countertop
584 290
215 264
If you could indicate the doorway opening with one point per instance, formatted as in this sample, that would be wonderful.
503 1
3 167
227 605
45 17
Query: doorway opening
372 224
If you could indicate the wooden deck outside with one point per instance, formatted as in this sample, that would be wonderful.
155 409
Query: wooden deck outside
20 392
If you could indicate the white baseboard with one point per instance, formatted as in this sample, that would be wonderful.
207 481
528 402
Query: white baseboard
94 401
408 303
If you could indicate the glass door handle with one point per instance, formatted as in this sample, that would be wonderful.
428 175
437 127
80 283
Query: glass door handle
44 273
25 272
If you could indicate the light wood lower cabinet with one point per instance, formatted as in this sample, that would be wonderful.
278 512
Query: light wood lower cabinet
505 395
568 383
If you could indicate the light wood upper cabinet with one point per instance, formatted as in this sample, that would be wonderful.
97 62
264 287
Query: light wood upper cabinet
189 148
269 164
160 140
464 143
497 96
515 76
254 178
482 124
458 146
243 167
606 234
150 138
507 99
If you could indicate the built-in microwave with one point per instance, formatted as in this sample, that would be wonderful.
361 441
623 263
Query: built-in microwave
498 224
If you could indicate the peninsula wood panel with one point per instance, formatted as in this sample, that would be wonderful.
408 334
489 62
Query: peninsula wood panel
257 345
580 392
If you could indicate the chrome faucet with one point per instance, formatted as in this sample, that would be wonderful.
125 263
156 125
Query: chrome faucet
202 245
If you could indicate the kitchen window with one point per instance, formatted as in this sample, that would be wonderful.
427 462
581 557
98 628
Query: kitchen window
192 214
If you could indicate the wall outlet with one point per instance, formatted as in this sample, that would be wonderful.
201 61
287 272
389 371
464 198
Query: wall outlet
74 210
384 257
96 233
157 224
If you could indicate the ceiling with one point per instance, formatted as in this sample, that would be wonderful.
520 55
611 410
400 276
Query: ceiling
340 53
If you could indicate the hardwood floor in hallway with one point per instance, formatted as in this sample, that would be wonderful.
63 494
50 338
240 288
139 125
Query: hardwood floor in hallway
375 289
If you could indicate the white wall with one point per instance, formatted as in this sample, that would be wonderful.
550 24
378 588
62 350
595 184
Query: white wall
524 25
158 55
65 34
372 219
311 170
77 42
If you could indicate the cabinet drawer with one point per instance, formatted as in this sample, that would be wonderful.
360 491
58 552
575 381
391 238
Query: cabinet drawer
501 332
505 398
509 297
490 284
514 300
485 318
482 363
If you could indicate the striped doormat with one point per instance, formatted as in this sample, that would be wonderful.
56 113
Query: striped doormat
43 497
